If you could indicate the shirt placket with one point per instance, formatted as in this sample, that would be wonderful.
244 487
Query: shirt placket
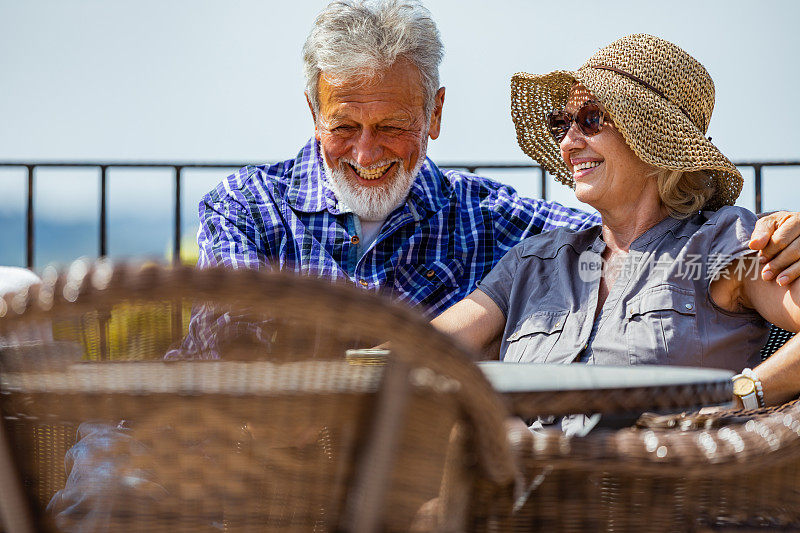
615 294
349 240
368 270
588 324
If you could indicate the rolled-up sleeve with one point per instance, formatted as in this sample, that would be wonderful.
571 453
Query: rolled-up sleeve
727 235
498 283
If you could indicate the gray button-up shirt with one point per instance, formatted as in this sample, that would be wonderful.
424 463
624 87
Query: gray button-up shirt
658 311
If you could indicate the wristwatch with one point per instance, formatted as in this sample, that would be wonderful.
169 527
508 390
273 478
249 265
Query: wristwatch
747 387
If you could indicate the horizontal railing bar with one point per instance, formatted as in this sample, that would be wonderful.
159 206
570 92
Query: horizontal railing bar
531 165
766 163
154 164
111 164
178 167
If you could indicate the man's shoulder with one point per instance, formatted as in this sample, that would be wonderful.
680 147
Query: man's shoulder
254 181
466 183
471 192
480 192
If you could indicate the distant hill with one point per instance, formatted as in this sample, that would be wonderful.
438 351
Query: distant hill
62 242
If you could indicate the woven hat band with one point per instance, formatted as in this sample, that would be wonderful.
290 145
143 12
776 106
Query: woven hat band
648 86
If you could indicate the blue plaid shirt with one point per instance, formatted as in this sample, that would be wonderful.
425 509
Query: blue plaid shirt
431 251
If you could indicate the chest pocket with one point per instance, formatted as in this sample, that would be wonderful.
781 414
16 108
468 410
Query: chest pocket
661 328
535 337
427 285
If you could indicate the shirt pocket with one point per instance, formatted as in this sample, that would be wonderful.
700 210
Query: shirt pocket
428 284
661 327
534 337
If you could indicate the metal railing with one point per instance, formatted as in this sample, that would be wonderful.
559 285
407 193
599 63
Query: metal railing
178 169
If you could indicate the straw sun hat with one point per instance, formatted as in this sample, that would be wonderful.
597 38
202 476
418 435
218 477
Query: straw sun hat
659 97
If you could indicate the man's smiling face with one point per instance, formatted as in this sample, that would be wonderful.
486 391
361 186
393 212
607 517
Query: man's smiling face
373 134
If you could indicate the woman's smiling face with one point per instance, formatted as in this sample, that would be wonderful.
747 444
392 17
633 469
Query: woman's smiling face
607 173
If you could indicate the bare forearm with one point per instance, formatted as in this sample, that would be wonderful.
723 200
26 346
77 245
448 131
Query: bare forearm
780 374
476 322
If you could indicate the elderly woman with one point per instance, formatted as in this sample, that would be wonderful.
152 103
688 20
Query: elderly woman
668 278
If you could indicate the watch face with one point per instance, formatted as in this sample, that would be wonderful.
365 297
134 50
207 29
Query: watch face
743 386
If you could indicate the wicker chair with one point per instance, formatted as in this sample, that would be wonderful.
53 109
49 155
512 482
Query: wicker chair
281 432
732 470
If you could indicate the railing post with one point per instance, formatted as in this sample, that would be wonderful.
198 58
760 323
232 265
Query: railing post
29 220
103 213
757 169
104 317
543 178
176 250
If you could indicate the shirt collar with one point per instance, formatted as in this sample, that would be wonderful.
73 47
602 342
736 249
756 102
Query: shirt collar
308 187
642 241
430 191
310 192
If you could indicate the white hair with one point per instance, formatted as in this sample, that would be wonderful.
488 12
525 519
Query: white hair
357 40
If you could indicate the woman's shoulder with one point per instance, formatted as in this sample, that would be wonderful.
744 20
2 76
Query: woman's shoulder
729 214
716 238
549 244
730 223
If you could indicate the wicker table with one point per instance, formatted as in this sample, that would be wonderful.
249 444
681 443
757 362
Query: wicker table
541 389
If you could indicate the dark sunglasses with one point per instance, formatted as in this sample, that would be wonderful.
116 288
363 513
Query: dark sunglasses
589 119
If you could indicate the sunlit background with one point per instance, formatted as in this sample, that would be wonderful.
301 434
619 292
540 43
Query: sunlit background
221 81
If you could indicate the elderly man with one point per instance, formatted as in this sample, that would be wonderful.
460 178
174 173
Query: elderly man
361 201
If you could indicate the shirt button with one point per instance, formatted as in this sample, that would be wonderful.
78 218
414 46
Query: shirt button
354 239
430 274
689 306
363 282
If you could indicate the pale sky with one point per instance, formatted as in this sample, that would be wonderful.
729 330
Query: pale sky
196 80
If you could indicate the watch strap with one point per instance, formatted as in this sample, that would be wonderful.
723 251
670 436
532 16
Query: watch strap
755 399
749 401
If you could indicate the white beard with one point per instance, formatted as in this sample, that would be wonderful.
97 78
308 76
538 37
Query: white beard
374 203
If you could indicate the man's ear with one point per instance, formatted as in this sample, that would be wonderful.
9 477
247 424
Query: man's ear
313 116
436 114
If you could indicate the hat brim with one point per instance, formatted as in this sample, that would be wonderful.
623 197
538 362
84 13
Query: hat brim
655 129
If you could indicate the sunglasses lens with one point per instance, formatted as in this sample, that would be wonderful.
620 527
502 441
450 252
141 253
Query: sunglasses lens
590 119
559 123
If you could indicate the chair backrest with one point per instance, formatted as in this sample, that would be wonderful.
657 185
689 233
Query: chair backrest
278 430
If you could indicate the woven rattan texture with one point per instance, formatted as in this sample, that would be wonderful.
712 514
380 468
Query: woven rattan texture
268 438
735 469
666 130
627 400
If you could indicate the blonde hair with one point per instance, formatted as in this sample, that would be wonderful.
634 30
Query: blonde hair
684 193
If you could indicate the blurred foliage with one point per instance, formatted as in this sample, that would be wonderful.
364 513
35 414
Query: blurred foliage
190 252
129 331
